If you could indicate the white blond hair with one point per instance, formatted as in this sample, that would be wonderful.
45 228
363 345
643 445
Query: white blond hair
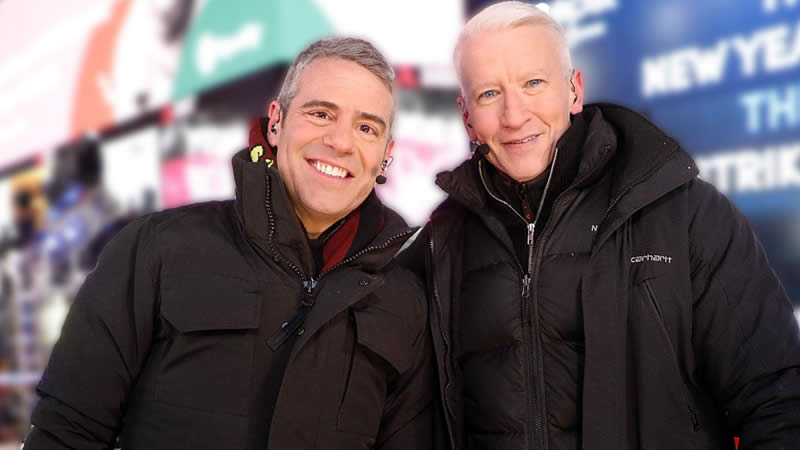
508 15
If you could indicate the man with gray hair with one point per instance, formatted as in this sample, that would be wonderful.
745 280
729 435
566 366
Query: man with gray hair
277 320
589 291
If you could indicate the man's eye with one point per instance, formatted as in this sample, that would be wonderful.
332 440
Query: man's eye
367 129
488 94
320 114
534 83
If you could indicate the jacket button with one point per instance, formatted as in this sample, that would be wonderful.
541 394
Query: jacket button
363 283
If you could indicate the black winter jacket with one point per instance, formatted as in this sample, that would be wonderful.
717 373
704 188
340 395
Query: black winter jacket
165 345
690 339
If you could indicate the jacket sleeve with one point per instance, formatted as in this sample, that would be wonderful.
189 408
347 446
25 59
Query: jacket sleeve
407 420
103 343
746 339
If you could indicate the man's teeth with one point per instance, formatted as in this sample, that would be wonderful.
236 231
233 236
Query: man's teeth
333 171
528 139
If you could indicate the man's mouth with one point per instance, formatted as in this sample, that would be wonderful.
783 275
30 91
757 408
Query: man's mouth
328 169
522 141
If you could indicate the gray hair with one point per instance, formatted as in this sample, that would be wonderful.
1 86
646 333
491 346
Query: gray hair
359 51
512 14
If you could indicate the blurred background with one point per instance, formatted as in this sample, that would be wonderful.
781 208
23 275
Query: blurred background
113 109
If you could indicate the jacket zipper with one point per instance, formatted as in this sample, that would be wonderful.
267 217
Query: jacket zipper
531 228
532 269
534 412
437 302
533 362
651 295
295 324
526 280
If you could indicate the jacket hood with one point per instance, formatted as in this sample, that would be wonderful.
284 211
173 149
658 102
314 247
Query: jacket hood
642 148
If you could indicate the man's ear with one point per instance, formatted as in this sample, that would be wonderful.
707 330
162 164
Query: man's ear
387 155
576 92
274 124
465 118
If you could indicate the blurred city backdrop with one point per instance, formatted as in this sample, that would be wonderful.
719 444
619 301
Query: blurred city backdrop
113 109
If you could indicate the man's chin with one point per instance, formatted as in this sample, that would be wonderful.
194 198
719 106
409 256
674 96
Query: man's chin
331 205
522 172
331 209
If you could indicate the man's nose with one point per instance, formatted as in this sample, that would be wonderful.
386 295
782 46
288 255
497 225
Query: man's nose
339 137
514 113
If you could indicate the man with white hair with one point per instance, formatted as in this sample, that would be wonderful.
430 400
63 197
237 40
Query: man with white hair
588 290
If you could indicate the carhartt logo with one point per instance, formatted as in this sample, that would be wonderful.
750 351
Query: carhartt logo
653 258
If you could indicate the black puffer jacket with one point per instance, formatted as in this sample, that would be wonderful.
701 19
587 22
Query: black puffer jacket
167 342
689 337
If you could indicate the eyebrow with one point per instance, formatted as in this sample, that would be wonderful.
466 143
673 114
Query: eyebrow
334 107
320 103
374 118
536 73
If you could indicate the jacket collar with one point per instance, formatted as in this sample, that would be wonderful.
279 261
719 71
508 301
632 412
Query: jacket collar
268 221
564 170
617 139
647 165
589 135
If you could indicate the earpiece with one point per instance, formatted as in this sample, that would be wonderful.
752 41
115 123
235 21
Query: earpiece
381 179
572 83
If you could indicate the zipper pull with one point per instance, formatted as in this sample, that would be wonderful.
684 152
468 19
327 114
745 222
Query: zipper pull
526 283
695 423
295 324
309 285
531 229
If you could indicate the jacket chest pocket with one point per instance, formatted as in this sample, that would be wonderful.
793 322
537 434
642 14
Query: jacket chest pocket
208 362
381 351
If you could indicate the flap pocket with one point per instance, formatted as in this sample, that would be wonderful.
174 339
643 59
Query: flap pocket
385 334
210 302
383 349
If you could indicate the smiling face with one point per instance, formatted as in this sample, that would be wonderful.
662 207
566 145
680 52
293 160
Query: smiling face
517 96
332 139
